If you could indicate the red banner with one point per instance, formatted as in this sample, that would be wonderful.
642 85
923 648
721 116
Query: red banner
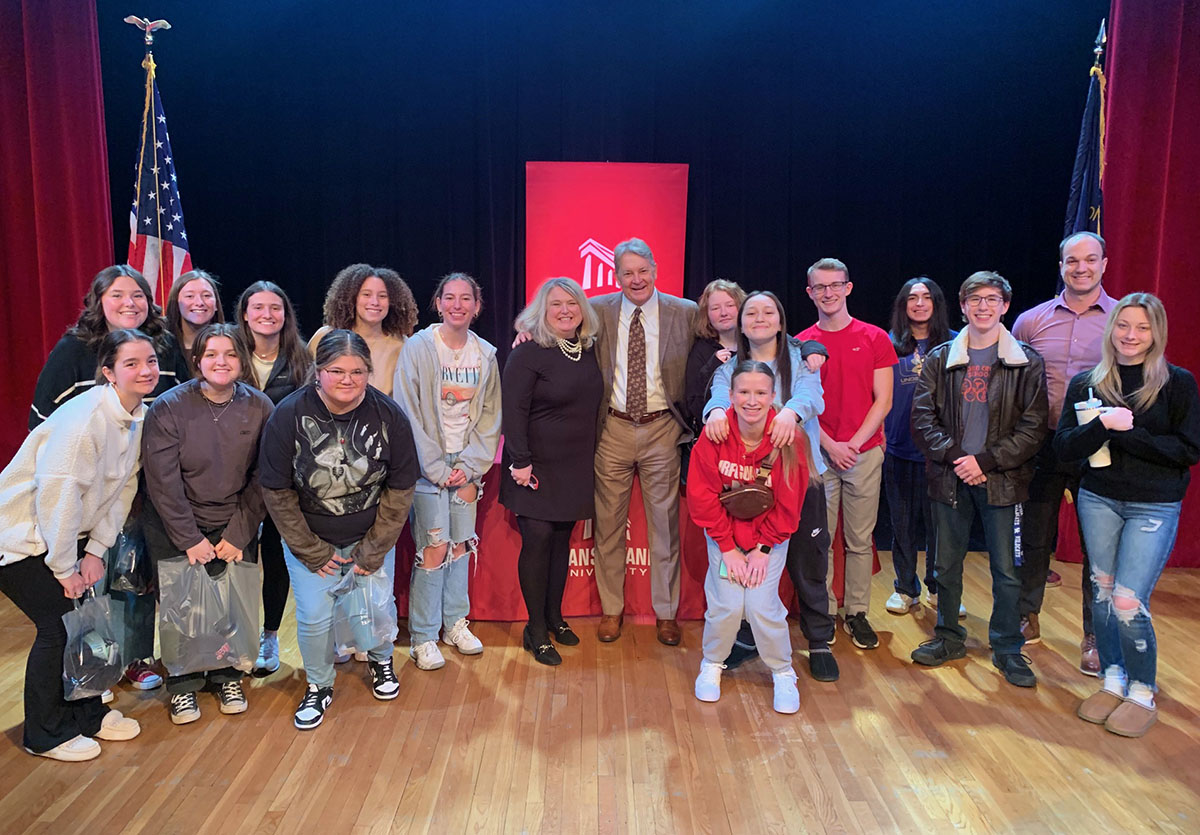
576 212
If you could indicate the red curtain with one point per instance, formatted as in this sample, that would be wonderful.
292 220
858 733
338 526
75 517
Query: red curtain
1152 180
55 215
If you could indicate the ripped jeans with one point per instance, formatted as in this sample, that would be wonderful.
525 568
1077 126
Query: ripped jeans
1129 544
438 596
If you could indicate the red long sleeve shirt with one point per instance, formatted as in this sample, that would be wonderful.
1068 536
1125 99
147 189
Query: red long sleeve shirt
717 466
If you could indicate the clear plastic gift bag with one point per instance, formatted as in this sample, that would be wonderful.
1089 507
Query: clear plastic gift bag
364 612
208 622
129 566
92 660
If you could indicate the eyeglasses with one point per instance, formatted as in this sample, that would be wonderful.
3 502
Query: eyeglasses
357 375
990 301
833 286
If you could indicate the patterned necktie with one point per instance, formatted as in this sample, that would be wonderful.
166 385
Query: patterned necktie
635 376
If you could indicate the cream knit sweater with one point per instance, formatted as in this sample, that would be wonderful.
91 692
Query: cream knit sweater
74 476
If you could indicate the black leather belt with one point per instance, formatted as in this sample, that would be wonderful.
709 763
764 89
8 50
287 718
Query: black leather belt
646 418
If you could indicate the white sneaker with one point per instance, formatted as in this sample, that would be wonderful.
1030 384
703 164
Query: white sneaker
899 604
787 697
708 683
107 697
268 653
931 602
116 727
427 656
72 751
462 639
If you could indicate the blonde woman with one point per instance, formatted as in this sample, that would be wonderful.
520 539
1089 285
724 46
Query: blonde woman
552 391
1129 508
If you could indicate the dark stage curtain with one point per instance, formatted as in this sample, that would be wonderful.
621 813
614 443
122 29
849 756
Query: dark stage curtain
55 221
1152 180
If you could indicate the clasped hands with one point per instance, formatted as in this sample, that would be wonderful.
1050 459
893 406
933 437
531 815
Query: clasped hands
746 569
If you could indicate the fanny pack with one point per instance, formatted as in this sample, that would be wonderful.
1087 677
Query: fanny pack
746 501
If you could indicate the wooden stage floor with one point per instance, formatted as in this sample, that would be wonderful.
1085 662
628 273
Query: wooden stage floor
614 741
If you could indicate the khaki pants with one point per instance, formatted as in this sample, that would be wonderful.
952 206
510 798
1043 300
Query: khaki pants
856 493
652 451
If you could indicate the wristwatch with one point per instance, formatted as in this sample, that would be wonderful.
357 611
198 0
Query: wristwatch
766 549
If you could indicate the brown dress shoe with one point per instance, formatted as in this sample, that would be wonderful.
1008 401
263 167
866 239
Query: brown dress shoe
1089 658
668 632
610 628
1131 719
1097 707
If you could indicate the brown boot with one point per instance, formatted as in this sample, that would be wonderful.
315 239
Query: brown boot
1131 719
610 628
1098 707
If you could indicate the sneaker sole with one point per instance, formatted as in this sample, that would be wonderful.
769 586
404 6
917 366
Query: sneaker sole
107 735
427 668
308 727
233 709
184 718
715 698
264 671
63 757
1036 639
1021 683
1091 673
141 685
384 697
855 641
461 651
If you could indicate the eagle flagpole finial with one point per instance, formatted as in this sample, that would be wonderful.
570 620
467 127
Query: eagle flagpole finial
148 26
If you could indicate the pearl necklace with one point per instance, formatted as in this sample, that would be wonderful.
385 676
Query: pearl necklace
571 350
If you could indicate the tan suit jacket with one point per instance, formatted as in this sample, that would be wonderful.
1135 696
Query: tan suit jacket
675 319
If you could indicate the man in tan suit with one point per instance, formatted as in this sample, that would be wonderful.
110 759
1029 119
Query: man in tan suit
642 347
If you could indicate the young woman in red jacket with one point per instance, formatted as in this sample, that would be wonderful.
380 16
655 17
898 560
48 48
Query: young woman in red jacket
746 556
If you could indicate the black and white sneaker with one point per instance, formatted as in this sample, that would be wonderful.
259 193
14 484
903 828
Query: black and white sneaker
313 706
860 631
232 698
184 708
384 683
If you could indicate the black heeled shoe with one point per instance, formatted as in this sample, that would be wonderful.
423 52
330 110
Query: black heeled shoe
564 635
543 653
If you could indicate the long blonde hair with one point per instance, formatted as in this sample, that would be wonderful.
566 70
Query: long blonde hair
1105 377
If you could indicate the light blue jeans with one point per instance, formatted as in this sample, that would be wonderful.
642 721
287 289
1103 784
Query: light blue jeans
438 597
314 614
1129 544
729 603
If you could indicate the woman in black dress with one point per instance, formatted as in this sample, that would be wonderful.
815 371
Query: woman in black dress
551 396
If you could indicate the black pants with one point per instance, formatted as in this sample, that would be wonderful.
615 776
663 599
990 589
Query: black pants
542 569
1039 533
275 576
50 719
160 547
807 564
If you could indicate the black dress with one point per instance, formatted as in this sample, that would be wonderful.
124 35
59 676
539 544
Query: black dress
550 405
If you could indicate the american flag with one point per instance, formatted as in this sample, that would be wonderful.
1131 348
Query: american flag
158 244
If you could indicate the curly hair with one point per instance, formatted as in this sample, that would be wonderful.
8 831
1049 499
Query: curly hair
342 298
92 327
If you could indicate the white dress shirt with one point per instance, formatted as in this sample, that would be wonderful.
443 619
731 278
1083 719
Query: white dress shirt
656 398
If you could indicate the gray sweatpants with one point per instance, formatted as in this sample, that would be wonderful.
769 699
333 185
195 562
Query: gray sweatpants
729 603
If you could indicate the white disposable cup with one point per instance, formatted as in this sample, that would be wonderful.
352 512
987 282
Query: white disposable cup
1101 457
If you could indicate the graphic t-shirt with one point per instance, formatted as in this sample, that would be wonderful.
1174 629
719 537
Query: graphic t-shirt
337 464
975 398
897 426
460 370
848 376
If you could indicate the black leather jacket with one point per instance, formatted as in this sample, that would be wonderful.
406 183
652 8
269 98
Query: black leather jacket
1018 412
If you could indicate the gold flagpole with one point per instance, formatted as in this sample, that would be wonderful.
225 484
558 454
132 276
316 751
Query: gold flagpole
149 28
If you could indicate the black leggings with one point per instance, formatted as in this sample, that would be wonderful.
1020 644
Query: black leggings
542 568
275 576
